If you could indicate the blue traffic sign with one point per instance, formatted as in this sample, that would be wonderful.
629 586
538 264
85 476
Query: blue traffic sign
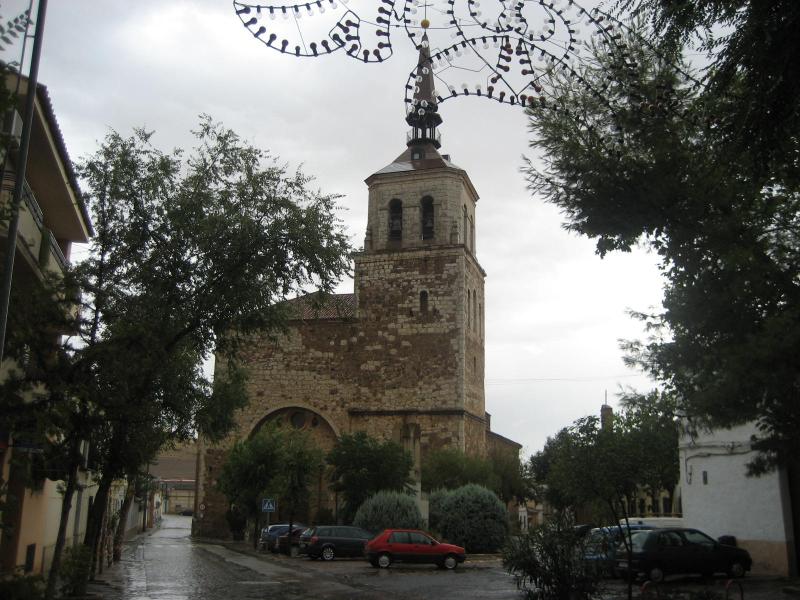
268 505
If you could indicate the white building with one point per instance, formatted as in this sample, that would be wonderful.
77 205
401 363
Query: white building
720 499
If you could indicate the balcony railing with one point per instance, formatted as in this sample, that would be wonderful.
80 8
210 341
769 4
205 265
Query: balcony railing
33 232
32 205
56 250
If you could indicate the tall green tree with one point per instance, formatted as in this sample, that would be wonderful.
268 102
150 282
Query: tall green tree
501 472
450 468
193 252
590 463
362 466
250 472
302 463
634 151
752 47
651 419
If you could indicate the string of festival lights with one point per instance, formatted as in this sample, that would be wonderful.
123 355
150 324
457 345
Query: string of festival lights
505 56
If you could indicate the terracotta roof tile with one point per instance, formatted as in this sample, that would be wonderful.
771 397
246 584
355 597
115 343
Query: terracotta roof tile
317 306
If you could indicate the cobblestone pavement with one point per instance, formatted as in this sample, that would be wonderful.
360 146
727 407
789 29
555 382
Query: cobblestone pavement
167 564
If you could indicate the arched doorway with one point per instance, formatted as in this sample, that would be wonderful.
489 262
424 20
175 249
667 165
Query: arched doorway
321 505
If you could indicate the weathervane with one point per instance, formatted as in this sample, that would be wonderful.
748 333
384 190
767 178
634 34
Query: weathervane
504 54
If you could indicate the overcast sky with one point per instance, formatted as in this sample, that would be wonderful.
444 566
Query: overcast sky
554 310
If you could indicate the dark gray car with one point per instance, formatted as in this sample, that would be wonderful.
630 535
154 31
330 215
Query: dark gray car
331 541
662 552
270 535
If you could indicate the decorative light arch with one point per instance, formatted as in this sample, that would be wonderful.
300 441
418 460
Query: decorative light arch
498 50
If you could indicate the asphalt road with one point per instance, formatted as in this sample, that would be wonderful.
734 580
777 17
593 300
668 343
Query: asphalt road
168 565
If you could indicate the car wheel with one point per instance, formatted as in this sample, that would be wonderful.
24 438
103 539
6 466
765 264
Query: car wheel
656 575
450 562
384 560
736 569
328 553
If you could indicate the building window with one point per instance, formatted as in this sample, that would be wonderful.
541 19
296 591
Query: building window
465 225
423 302
474 311
396 219
469 306
705 477
480 320
427 218
472 235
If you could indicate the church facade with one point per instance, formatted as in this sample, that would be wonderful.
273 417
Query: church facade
400 358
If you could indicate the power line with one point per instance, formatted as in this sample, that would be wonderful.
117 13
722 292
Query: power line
558 379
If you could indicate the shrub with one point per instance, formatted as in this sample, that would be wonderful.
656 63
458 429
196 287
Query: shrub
436 508
547 563
387 510
22 587
472 516
75 569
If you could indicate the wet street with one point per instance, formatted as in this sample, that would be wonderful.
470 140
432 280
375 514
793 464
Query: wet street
168 565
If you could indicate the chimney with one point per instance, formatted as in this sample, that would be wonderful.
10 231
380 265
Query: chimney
606 416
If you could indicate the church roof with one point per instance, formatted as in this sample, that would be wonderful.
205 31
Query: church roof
432 160
317 306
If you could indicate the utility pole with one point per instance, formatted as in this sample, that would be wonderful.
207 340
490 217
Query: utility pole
19 182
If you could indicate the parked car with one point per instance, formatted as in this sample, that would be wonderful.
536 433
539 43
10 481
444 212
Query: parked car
412 545
660 552
269 535
600 550
283 545
331 541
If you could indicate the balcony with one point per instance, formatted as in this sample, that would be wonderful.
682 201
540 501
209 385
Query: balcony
36 244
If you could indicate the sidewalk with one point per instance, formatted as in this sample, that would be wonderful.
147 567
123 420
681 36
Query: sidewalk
122 575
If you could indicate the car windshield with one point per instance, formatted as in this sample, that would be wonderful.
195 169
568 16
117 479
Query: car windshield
638 539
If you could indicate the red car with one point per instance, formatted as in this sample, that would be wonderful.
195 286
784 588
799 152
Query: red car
412 545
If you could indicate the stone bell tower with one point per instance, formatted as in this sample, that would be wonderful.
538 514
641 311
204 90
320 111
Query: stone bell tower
418 279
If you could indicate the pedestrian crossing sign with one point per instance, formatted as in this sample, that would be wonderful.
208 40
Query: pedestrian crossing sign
268 505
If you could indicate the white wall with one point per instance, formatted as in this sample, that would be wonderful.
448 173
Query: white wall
754 509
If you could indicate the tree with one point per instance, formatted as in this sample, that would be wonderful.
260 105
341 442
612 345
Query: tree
362 466
652 421
587 463
547 562
511 481
501 472
752 47
301 461
450 468
249 472
193 253
636 151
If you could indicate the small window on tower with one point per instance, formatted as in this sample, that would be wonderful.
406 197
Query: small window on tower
423 302
396 219
417 154
427 218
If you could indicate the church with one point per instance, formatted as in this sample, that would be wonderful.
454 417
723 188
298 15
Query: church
400 358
